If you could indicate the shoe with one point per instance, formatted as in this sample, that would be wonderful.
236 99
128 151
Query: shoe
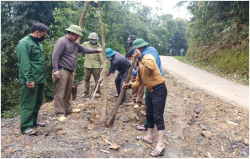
138 138
136 106
84 96
75 110
30 132
156 152
116 95
62 119
140 129
40 124
97 95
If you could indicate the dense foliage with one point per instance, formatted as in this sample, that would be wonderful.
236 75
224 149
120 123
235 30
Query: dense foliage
219 35
120 20
222 21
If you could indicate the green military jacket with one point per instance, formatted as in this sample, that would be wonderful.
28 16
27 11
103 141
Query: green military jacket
31 61
93 60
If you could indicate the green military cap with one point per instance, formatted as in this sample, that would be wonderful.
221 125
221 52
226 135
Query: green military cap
139 42
75 29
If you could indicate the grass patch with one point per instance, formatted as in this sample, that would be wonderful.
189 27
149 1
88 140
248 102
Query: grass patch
214 69
11 113
227 60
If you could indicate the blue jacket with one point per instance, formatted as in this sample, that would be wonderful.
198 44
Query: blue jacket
154 52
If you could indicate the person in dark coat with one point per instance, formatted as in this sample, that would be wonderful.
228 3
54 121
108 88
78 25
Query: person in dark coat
120 63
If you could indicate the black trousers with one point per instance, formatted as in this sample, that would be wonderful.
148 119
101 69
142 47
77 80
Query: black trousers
155 106
118 83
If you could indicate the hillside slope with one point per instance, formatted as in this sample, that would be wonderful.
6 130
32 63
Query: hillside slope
232 60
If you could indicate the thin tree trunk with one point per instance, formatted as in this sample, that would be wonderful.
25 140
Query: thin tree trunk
86 3
103 120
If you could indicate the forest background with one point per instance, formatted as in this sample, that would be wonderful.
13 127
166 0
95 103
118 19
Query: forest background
217 34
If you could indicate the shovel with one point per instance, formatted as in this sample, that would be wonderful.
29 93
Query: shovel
113 113
93 96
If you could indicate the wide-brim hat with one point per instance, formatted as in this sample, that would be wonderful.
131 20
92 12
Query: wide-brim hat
109 52
75 29
93 36
139 43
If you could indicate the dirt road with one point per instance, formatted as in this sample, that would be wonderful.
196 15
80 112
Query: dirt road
198 124
233 92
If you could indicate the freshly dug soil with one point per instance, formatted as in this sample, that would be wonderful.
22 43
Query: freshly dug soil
198 124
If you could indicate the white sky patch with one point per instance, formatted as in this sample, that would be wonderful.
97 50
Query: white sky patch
167 7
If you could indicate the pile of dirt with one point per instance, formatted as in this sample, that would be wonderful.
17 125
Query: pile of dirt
198 124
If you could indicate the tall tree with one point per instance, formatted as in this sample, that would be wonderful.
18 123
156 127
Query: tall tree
103 120
86 3
219 21
16 19
179 42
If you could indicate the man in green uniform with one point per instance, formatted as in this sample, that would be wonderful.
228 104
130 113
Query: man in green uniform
32 77
92 64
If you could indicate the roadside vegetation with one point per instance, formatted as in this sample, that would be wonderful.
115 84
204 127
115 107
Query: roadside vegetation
120 20
218 38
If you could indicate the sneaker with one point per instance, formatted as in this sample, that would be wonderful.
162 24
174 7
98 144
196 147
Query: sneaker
75 110
62 119
136 106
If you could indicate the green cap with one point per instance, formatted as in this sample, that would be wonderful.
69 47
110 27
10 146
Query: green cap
139 42
75 29
109 52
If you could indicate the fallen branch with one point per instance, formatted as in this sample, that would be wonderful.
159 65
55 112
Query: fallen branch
104 151
112 146
165 142
149 147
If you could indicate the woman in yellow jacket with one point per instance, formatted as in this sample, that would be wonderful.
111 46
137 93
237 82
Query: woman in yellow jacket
149 74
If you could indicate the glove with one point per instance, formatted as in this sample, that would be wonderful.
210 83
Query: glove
134 72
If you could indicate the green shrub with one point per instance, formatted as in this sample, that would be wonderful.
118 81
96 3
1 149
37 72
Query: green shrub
116 46
10 99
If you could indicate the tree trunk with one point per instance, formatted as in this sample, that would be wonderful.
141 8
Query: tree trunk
86 3
103 120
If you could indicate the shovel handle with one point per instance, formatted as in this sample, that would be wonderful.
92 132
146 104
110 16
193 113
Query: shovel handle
96 88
